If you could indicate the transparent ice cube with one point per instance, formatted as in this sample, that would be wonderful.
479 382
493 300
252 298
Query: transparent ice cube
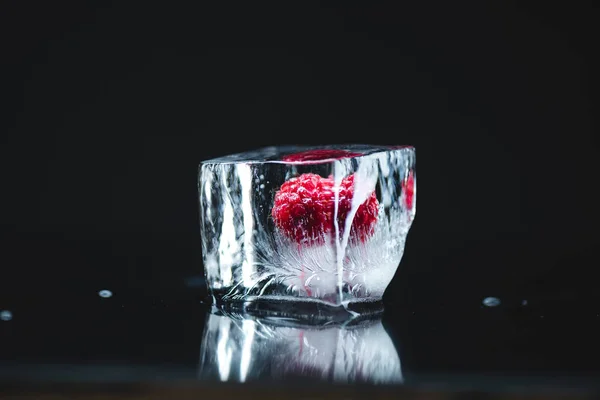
239 348
323 226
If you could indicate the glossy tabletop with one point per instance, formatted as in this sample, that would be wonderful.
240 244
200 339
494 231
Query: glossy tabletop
175 340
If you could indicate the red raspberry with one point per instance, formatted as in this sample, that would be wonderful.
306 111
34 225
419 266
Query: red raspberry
408 187
318 155
304 208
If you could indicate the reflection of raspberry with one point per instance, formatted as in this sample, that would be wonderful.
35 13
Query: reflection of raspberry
321 154
409 190
304 209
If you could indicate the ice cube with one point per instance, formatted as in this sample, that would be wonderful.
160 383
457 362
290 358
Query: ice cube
321 224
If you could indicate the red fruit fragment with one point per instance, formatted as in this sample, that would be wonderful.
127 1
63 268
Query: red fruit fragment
319 155
304 209
408 187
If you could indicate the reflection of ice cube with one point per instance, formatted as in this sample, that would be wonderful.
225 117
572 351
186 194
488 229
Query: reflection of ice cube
247 258
239 349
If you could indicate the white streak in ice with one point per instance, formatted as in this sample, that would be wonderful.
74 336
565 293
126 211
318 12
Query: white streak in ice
245 177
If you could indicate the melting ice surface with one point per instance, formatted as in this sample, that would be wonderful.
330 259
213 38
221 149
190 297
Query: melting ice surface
246 257
241 349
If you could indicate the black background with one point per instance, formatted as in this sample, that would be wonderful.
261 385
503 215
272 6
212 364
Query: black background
108 108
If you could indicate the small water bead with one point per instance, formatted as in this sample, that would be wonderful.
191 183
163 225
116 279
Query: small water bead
491 301
5 315
105 294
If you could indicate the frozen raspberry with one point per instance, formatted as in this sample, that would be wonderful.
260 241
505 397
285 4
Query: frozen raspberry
304 209
318 155
408 187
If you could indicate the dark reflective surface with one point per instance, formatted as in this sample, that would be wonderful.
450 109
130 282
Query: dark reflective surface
497 343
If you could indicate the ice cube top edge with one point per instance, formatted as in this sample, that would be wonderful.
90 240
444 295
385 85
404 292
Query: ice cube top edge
276 154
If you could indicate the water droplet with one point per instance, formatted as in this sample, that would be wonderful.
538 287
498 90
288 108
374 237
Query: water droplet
491 301
262 177
524 303
5 315
105 294
262 186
